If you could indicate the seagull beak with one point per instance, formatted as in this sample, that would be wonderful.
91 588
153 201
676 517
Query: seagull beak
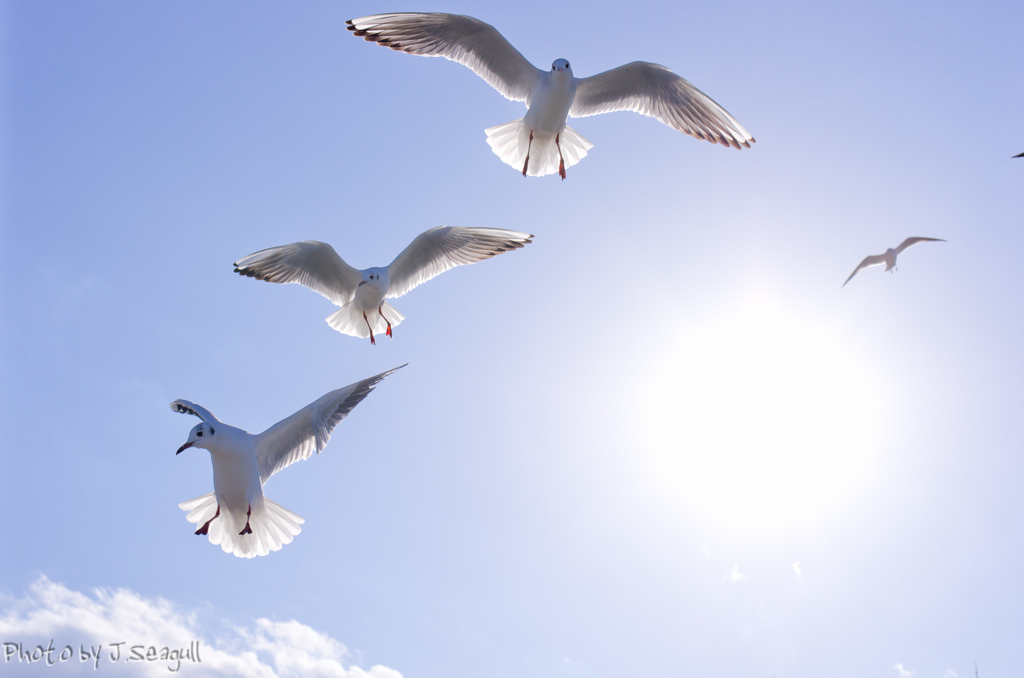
361 283
183 447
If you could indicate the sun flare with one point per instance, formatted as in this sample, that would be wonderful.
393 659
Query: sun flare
761 419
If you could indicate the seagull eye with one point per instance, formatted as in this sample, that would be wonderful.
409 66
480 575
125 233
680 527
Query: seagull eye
199 434
567 64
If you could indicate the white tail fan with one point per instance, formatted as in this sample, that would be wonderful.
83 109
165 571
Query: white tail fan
511 141
349 320
272 526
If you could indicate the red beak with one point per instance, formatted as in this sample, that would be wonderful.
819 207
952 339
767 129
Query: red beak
183 447
361 283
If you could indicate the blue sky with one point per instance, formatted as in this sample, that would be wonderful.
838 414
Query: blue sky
660 440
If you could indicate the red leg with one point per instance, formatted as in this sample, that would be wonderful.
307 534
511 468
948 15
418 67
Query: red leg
372 340
205 529
247 529
387 321
561 162
528 147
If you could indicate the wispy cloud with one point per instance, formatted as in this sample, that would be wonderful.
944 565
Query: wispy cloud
950 673
735 575
93 625
904 673
796 568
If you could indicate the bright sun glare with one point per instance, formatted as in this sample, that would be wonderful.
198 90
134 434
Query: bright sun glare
761 419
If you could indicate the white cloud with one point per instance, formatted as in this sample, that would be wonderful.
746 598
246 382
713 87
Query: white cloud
950 673
904 673
796 568
51 611
735 574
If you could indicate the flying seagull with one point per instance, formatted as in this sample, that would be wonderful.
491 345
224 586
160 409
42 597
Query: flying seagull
361 294
236 514
541 143
889 258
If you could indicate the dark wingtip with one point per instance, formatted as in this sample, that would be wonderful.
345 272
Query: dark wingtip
248 273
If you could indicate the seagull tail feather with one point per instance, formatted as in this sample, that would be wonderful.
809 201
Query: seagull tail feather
271 525
349 320
511 142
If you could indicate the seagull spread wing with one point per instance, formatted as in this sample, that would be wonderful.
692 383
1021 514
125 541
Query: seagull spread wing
873 260
185 407
463 39
313 264
913 241
439 249
657 92
308 430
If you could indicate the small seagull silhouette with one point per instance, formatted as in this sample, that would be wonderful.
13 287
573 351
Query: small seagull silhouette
889 258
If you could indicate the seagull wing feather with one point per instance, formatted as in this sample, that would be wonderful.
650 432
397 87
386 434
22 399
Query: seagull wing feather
439 249
308 430
913 241
186 407
657 92
873 260
458 38
313 264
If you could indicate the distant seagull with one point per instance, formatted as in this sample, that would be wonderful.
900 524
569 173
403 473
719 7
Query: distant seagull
889 258
317 266
236 514
541 143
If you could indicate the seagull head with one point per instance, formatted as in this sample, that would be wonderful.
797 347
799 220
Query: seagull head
376 278
561 66
199 436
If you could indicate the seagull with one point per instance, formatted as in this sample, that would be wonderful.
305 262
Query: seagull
541 143
889 258
236 514
361 293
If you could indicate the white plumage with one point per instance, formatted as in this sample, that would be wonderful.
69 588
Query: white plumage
237 515
540 143
889 257
361 293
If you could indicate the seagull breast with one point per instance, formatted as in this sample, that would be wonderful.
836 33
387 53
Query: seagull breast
551 102
371 295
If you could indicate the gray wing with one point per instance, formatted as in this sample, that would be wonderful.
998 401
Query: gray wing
439 249
185 407
313 264
913 241
657 92
308 430
463 39
873 260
